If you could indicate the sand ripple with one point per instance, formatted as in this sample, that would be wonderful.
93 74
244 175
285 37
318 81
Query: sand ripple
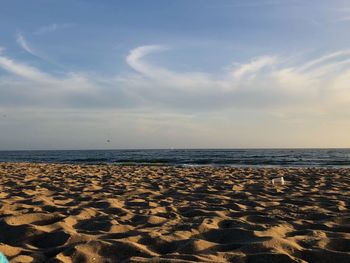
71 213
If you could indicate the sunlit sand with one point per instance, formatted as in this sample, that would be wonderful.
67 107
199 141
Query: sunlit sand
71 213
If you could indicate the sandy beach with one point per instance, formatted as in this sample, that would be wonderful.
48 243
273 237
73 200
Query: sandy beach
101 213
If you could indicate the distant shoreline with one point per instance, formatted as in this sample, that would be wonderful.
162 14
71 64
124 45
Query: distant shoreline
210 157
140 165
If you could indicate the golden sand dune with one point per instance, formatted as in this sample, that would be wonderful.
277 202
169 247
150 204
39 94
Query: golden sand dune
71 213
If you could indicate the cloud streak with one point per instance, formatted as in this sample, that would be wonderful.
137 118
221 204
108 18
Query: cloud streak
26 47
24 71
266 82
134 59
23 44
254 66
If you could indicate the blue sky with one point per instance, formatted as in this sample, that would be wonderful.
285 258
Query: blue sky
186 73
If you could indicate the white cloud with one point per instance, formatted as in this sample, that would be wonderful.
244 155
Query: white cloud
254 66
323 59
188 81
157 106
134 59
23 70
23 44
262 83
31 78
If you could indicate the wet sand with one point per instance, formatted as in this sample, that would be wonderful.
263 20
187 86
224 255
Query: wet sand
91 213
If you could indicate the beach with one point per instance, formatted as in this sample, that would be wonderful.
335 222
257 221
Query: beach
107 213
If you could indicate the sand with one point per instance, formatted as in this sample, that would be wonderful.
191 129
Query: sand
100 213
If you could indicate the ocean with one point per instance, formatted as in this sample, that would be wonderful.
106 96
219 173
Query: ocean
182 157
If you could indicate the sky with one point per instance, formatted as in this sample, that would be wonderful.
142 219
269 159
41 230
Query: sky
174 74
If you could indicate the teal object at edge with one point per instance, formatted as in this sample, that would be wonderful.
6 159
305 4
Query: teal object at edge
3 259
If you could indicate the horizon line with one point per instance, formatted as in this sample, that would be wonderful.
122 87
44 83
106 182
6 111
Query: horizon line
174 149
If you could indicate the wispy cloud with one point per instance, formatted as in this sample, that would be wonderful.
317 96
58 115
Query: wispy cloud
254 66
23 44
324 59
23 70
30 81
265 81
261 83
152 103
52 28
134 59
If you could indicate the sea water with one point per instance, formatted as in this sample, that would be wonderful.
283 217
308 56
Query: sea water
187 157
